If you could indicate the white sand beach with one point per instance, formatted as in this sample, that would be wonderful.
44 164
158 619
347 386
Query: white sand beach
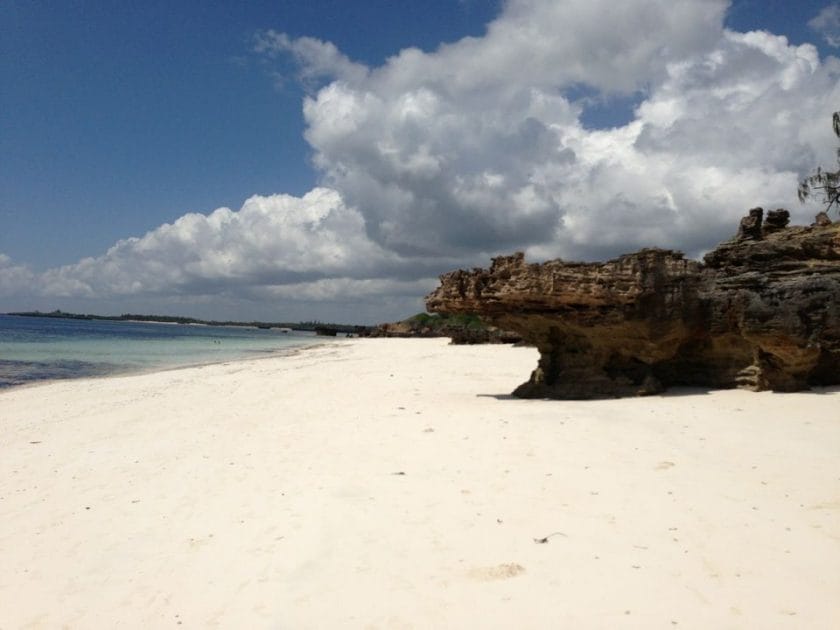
389 483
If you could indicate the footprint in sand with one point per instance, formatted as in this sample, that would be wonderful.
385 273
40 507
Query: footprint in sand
499 572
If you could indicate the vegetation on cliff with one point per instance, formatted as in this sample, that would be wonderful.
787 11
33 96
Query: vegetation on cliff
462 328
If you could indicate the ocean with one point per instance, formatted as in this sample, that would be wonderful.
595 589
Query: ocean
34 349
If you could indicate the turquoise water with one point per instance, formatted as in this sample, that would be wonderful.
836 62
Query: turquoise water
35 349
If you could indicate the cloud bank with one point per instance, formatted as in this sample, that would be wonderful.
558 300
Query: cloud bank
441 159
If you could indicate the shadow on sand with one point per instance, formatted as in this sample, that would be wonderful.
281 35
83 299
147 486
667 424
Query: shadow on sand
674 392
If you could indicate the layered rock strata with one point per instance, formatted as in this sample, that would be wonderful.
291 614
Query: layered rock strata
761 312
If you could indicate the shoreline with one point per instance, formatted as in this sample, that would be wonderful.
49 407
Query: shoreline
139 371
398 482
295 350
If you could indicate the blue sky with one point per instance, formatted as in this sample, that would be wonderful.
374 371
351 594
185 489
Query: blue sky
119 118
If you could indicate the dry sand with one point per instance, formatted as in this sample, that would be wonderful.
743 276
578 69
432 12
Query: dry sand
393 484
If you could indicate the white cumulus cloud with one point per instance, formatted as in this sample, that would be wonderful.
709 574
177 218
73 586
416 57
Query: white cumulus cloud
270 242
478 147
14 279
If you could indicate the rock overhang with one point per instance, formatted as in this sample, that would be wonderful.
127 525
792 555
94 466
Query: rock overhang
762 311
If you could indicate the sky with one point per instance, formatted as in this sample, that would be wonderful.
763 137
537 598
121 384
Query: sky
287 160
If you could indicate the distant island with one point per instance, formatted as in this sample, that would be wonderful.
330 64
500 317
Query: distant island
311 326
461 328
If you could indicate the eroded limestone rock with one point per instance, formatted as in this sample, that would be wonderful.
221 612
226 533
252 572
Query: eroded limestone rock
761 312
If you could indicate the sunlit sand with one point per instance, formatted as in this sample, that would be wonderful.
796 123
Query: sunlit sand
394 484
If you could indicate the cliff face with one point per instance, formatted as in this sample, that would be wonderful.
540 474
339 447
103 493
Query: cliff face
762 312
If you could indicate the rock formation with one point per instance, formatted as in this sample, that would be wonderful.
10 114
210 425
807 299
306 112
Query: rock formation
761 312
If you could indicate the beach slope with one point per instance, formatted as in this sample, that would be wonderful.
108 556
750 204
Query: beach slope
394 483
